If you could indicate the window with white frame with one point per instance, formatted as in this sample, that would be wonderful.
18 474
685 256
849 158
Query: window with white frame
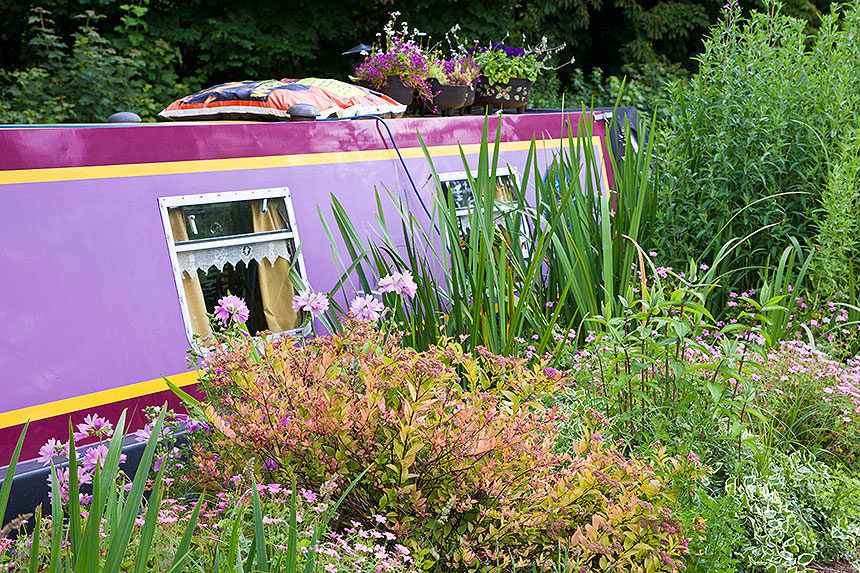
457 185
242 243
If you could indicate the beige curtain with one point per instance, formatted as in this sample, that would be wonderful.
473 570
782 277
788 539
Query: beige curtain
503 193
275 287
191 284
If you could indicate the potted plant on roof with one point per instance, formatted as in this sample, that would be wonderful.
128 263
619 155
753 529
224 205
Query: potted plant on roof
508 73
398 67
452 83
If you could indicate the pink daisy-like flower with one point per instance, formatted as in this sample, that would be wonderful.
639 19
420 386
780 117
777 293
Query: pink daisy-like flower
142 435
93 425
400 283
313 302
53 448
96 456
366 307
231 307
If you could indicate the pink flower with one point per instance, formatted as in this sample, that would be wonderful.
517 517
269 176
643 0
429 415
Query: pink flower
93 425
313 302
143 434
366 308
231 307
96 456
400 283
52 449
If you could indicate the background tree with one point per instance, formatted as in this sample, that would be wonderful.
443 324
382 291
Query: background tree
143 54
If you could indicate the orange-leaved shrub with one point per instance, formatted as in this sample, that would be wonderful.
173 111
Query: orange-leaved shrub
460 449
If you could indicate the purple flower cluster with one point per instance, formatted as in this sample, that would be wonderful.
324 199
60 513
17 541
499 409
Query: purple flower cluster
403 58
460 72
509 51
93 426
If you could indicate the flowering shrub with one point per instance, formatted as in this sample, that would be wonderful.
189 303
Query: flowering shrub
815 399
622 512
460 450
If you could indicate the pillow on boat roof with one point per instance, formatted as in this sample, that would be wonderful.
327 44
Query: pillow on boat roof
270 100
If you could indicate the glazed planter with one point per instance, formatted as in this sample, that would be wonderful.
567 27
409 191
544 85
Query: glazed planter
513 94
448 97
393 88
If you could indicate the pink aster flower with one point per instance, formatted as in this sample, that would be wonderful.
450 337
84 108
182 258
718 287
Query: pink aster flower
142 435
231 307
366 307
313 302
96 456
400 283
93 425
53 448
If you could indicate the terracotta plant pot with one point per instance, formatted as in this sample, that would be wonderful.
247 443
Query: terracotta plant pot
448 97
513 94
393 88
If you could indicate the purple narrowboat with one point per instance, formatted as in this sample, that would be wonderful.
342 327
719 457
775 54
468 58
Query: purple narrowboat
115 240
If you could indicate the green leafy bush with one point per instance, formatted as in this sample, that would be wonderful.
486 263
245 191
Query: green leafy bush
87 81
755 134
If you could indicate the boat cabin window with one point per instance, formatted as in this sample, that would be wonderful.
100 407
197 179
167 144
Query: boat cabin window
242 243
457 185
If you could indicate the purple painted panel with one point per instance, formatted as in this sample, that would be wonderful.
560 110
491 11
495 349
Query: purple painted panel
89 298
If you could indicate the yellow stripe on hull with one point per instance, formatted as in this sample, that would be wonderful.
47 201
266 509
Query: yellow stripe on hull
94 400
241 163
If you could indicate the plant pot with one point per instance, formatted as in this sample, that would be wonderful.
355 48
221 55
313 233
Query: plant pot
513 94
393 88
448 97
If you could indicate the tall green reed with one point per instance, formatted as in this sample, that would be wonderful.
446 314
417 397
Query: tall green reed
580 246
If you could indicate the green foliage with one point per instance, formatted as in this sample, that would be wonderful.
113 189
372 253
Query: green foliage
98 539
642 86
662 370
87 81
717 549
795 510
753 135
839 231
